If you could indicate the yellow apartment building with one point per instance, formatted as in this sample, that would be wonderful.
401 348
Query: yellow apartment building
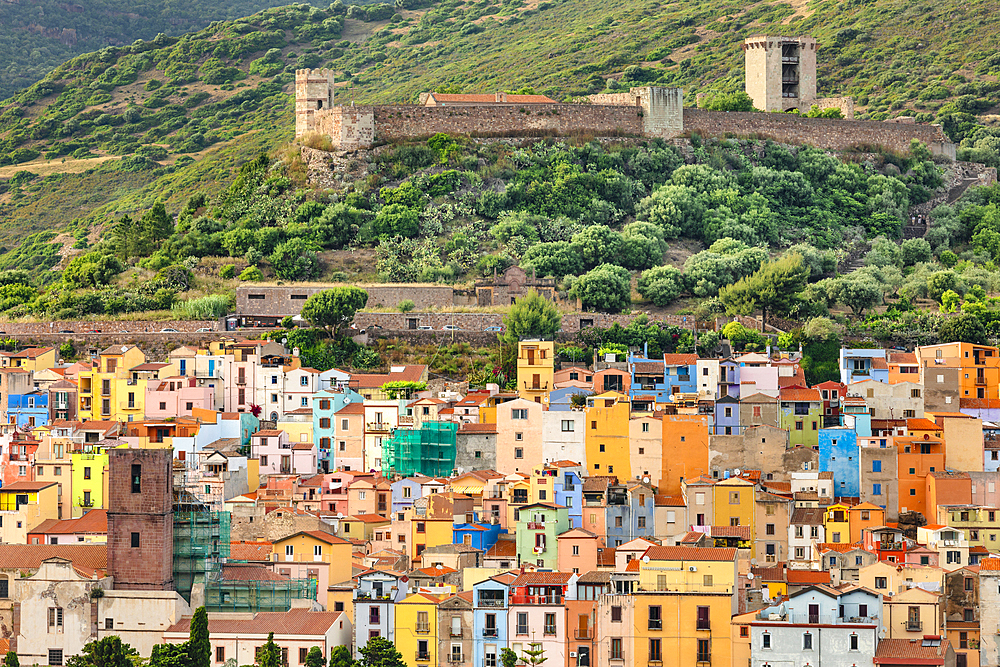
607 434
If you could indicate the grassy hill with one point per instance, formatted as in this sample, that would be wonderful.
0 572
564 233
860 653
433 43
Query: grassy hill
115 130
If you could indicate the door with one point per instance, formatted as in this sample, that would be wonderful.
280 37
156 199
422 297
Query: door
582 632
583 656
961 660
814 613
211 367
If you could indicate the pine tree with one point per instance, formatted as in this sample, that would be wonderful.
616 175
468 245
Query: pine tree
270 653
199 645
315 657
535 655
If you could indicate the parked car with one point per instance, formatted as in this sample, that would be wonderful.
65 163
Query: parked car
451 327
66 331
425 328
497 329
374 326
203 330
168 330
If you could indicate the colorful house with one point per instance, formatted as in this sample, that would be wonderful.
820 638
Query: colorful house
607 426
535 370
417 633
801 413
538 526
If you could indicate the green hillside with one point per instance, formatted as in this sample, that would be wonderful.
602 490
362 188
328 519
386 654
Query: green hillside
115 130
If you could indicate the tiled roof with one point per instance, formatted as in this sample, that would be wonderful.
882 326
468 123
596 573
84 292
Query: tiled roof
742 532
250 550
680 359
435 572
648 367
319 535
302 446
268 433
292 622
990 564
772 573
542 579
879 364
240 572
807 576
922 424
27 486
352 409
85 557
94 521
503 549
597 483
691 553
902 358
668 501
477 428
910 652
606 557
595 577
800 394
807 515
632 565
839 547
370 518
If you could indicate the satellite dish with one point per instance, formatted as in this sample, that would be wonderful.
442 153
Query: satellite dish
439 566
645 559
750 576
339 515
736 472
645 480
347 400
753 562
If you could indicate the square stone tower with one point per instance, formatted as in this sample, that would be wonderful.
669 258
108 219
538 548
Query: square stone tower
141 519
313 92
781 72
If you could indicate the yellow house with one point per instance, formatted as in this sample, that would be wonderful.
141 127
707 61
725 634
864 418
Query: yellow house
316 555
417 629
109 391
429 533
734 502
912 614
298 429
607 439
363 526
687 569
24 505
535 369
32 359
885 578
837 523
739 637
53 463
683 628
90 481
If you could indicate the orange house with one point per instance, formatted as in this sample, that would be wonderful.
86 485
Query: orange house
946 487
915 459
979 365
864 517
685 451
577 551
903 367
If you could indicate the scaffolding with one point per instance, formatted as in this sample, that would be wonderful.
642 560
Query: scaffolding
254 596
201 545
429 450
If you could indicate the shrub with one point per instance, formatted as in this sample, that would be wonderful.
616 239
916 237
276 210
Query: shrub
251 274
228 271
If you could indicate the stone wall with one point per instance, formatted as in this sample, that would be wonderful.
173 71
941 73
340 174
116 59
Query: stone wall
476 322
279 301
103 326
825 133
845 104
407 121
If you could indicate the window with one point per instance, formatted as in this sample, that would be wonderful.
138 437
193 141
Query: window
807 642
568 425
518 453
55 656
703 621
550 624
303 652
616 614
135 540
769 529
707 580
220 653
655 653
880 583
576 549
655 620
109 624
522 623
519 413
55 619
136 478
765 641
877 465
324 422
704 654
641 522
616 649
854 642
876 489
421 527
798 426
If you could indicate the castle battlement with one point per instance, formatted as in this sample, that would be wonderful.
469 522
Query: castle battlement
313 93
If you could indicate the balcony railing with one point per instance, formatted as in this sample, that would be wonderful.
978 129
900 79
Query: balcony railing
406 420
490 632
423 656
127 405
488 602
583 633
456 632
655 624
703 624
456 658
536 525
423 628
378 427
704 660
914 626
537 599
981 381
540 386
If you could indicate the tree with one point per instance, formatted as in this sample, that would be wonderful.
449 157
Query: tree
11 660
341 657
169 655
379 652
154 226
334 308
531 316
508 658
199 645
391 220
315 657
598 244
558 258
661 285
858 291
605 288
270 653
914 251
107 652
295 259
774 288
535 655
965 328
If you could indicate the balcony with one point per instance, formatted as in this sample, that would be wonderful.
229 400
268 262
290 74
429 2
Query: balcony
423 628
683 378
128 405
914 626
537 599
423 656
241 379
536 525
583 633
890 546
457 633
490 632
378 427
85 391
981 382
704 660
519 500
406 420
106 391
703 624
456 658
492 603
532 386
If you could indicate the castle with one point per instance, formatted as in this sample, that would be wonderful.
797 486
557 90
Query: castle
780 76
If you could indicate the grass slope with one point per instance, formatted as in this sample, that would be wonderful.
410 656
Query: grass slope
218 95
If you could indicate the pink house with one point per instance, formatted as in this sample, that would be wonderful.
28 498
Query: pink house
276 456
519 436
177 397
577 551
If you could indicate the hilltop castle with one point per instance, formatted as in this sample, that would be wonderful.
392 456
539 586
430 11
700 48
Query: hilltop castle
780 76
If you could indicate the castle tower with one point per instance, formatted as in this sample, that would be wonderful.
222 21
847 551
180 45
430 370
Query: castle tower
781 72
141 519
313 92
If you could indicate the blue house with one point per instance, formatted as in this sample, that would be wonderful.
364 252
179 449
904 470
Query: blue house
491 600
568 487
28 410
629 513
729 378
477 535
839 454
863 364
560 399
727 416
404 492
326 404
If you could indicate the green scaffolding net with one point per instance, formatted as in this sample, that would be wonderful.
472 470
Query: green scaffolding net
428 450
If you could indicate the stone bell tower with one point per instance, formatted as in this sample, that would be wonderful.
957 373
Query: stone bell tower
313 92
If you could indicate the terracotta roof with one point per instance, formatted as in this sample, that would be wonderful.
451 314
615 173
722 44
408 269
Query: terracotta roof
370 518
94 521
27 486
477 428
503 549
691 553
632 565
435 572
839 547
922 424
302 446
595 577
807 576
319 535
352 409
542 579
648 367
742 532
668 501
85 557
990 564
910 652
31 352
902 358
292 622
597 483
240 572
772 573
152 366
606 557
268 433
807 515
800 394
250 550
692 537
680 359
